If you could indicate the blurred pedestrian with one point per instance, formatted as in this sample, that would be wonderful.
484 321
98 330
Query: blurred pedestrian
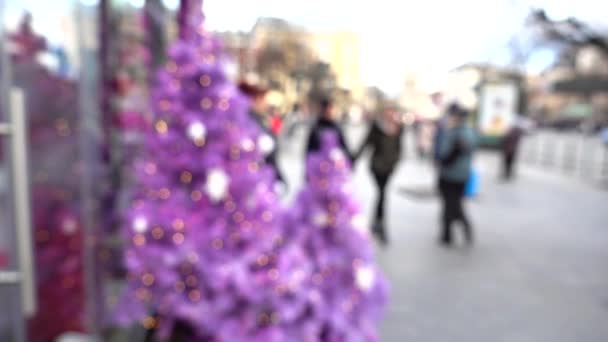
384 139
259 111
455 158
326 122
510 146
276 122
294 119
425 133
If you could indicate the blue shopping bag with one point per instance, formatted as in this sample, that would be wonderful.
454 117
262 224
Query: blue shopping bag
472 187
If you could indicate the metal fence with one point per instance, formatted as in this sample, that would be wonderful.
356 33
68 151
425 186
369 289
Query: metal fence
573 154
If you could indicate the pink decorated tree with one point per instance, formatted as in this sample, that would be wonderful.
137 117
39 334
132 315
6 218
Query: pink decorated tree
348 292
211 254
207 254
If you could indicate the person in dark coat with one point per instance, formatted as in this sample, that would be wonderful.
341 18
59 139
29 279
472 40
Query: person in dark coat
259 112
326 122
384 140
455 163
440 128
510 145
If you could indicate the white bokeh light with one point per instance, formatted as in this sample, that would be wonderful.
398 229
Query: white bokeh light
137 3
171 4
197 131
217 183
140 224
365 277
359 224
266 144
247 145
89 2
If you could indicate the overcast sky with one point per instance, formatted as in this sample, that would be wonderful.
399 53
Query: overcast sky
426 36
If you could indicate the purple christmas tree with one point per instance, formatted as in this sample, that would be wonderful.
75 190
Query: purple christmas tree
207 250
347 292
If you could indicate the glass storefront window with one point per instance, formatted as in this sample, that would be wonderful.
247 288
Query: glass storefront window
51 48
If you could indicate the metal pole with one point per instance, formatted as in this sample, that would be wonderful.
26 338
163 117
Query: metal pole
537 151
580 150
18 324
21 191
89 121
604 166
600 158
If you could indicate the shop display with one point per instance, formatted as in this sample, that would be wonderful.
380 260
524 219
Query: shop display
53 137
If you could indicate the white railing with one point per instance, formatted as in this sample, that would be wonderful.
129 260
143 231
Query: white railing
573 154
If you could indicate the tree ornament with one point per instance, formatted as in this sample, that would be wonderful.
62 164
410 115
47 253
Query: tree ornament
140 225
217 183
365 277
266 144
197 131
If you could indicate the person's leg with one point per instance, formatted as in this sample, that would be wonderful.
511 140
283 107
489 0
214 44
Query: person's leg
446 214
505 165
508 160
512 160
379 227
460 213
381 182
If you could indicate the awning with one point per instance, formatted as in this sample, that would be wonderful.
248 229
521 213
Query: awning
582 85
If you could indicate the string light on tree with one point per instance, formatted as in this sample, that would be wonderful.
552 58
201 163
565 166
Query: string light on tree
247 145
321 219
336 154
205 80
69 226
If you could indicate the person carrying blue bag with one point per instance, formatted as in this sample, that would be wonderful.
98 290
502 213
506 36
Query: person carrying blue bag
455 169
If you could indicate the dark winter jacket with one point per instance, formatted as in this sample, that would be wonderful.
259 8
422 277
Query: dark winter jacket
314 139
386 149
437 139
511 140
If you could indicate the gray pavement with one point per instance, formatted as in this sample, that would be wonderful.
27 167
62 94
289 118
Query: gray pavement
538 272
